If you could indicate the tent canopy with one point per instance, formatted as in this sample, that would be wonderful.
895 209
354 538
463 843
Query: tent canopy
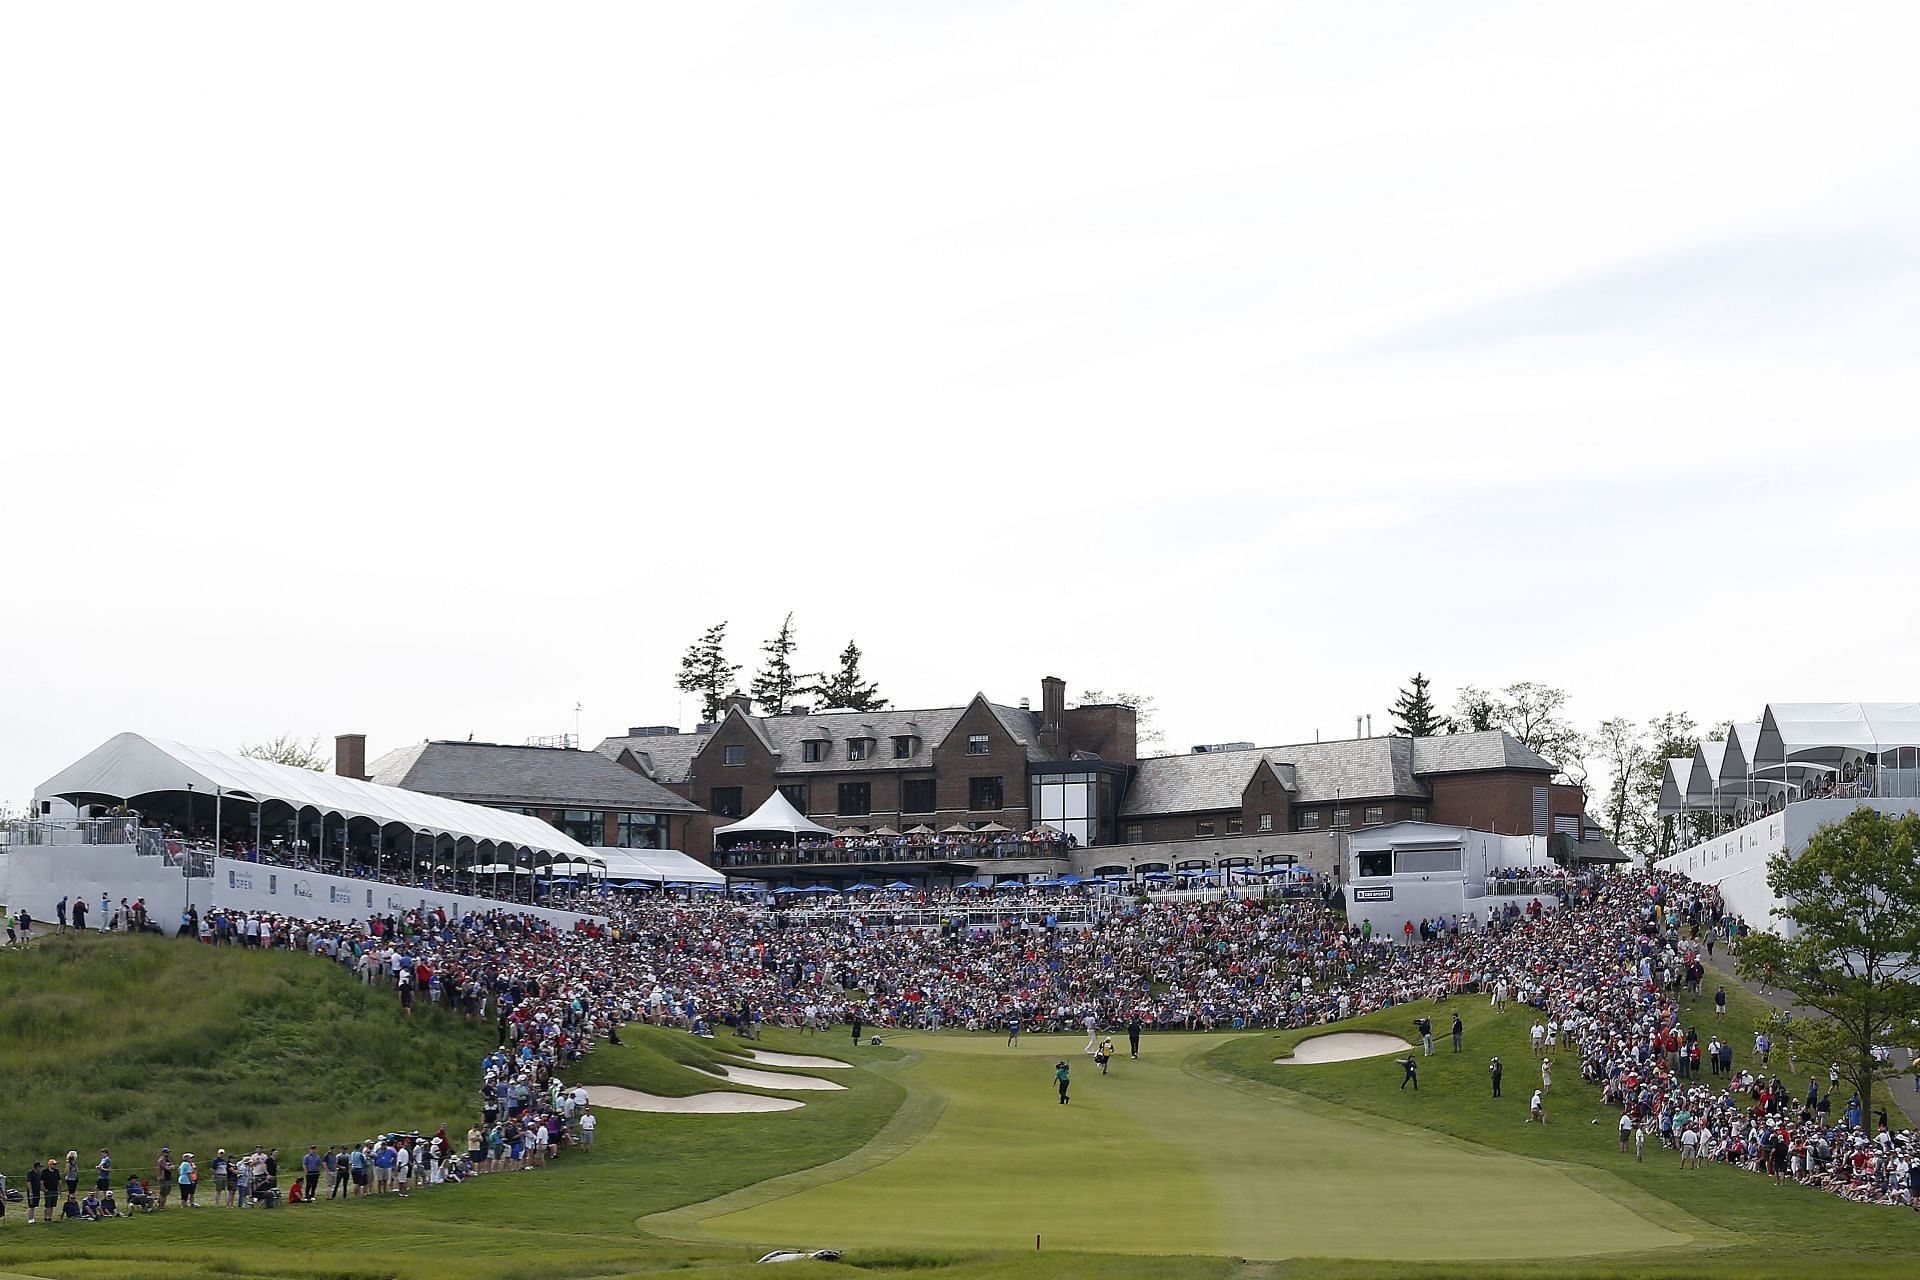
130 765
1825 731
777 817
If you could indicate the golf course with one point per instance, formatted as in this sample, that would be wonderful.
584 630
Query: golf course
1212 1155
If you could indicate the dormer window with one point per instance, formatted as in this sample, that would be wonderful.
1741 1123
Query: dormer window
813 751
903 747
857 748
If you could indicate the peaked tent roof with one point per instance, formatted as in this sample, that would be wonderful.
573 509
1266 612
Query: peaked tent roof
777 817
1824 731
130 765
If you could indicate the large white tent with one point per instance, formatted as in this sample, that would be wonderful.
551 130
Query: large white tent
777 819
131 765
1829 732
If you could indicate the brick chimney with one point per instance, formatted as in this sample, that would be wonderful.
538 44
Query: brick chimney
350 755
740 700
1053 715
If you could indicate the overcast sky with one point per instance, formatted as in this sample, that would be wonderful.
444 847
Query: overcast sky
423 370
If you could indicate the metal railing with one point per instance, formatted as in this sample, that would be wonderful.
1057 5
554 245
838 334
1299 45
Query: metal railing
831 856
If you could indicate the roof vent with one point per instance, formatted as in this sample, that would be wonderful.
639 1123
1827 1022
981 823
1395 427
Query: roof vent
653 731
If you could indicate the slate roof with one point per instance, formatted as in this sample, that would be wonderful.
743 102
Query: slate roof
1352 769
487 773
668 757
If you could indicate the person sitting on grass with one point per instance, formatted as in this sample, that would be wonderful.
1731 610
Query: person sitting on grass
71 1209
90 1207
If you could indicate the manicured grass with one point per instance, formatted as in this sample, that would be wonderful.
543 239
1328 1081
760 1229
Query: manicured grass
943 1154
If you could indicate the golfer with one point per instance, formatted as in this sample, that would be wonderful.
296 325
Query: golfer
1459 1033
1060 1078
1013 1032
1411 1065
1133 1044
856 1026
1092 1024
1493 1070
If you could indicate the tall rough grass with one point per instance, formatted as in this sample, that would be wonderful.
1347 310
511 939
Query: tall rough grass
135 1043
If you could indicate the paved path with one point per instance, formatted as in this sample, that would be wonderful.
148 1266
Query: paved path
1899 1088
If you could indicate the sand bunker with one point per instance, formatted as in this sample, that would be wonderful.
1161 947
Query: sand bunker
1343 1046
700 1104
773 1080
797 1060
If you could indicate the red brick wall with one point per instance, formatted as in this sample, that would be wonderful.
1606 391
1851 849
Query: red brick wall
1110 732
1497 801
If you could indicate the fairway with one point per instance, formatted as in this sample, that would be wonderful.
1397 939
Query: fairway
1156 1158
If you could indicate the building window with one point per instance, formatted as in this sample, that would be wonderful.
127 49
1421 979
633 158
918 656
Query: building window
856 748
916 795
733 755
1233 826
1342 818
1419 813
813 751
984 795
1202 827
855 799
724 802
1377 863
641 831
977 744
796 794
1373 816
586 826
903 748
1266 822
1310 821
1135 833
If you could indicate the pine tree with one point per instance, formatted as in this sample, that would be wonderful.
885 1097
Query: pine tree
846 689
704 670
1413 713
776 682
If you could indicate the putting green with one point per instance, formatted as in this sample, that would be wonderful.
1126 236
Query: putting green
1154 1158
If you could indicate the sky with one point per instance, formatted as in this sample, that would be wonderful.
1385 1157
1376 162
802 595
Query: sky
429 370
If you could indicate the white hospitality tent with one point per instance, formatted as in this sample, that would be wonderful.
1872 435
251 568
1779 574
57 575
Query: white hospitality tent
130 766
1834 732
777 819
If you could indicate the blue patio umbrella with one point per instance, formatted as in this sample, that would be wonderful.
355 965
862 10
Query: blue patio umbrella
638 884
706 888
1044 884
972 884
747 888
1009 884
678 884
789 888
899 885
820 888
1071 880
1297 870
863 887
1204 875
1157 875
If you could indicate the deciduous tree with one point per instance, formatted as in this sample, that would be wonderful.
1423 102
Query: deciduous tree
287 749
1852 897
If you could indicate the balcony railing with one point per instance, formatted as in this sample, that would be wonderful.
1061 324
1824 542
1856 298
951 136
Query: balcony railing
828 855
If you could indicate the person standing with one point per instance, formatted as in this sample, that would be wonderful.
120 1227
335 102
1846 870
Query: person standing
1546 1075
587 1125
1459 1032
189 1175
1105 1054
1133 1041
1720 1002
1060 1078
106 913
35 1182
856 1026
1411 1066
1424 1025
1092 1023
60 913
1013 1032
1537 1109
1493 1071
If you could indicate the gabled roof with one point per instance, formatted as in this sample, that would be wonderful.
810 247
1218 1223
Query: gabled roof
488 773
667 757
1350 769
1824 731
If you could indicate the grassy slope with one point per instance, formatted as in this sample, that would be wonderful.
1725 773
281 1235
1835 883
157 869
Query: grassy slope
1767 1230
138 1042
586 1216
